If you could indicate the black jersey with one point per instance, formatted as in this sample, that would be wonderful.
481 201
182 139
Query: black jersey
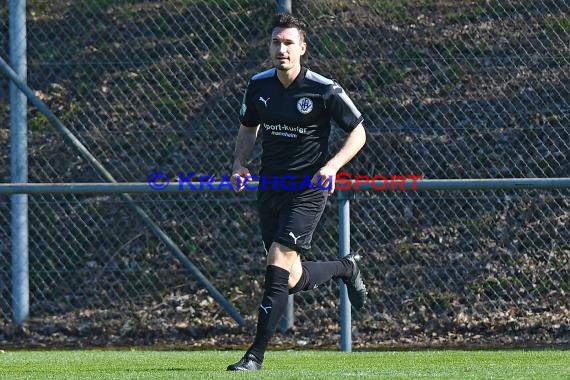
296 121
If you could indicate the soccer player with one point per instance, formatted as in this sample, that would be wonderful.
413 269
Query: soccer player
293 106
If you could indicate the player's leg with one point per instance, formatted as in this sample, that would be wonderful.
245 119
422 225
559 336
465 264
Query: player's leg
280 259
279 262
308 275
274 302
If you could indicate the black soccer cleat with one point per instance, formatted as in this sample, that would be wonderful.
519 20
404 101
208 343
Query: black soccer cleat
249 362
356 289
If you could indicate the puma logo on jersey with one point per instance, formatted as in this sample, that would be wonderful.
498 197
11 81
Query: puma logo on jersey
264 100
294 237
265 308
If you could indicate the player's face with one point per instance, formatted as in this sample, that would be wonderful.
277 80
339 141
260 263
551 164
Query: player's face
286 48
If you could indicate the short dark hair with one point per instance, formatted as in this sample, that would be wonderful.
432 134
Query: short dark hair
286 20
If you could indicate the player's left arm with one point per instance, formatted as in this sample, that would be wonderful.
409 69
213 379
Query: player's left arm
353 143
347 117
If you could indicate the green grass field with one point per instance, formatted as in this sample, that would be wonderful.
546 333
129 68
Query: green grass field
90 364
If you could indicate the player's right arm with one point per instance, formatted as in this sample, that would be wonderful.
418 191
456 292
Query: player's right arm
244 144
247 134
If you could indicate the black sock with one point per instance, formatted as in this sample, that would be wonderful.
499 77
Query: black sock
273 305
316 273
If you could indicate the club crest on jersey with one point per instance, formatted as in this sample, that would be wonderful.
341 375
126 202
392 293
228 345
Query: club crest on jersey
305 105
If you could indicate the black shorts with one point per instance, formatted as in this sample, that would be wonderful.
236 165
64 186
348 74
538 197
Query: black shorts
290 217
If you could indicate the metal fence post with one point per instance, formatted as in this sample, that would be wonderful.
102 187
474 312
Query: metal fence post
287 319
19 163
344 249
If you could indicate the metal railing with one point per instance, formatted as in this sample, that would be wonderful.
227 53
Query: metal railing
343 210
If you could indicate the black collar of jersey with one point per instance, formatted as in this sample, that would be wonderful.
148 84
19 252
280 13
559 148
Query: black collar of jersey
297 81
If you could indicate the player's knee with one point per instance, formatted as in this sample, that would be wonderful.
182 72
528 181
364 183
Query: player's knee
281 256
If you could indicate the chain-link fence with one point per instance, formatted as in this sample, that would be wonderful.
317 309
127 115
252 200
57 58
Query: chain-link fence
449 89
